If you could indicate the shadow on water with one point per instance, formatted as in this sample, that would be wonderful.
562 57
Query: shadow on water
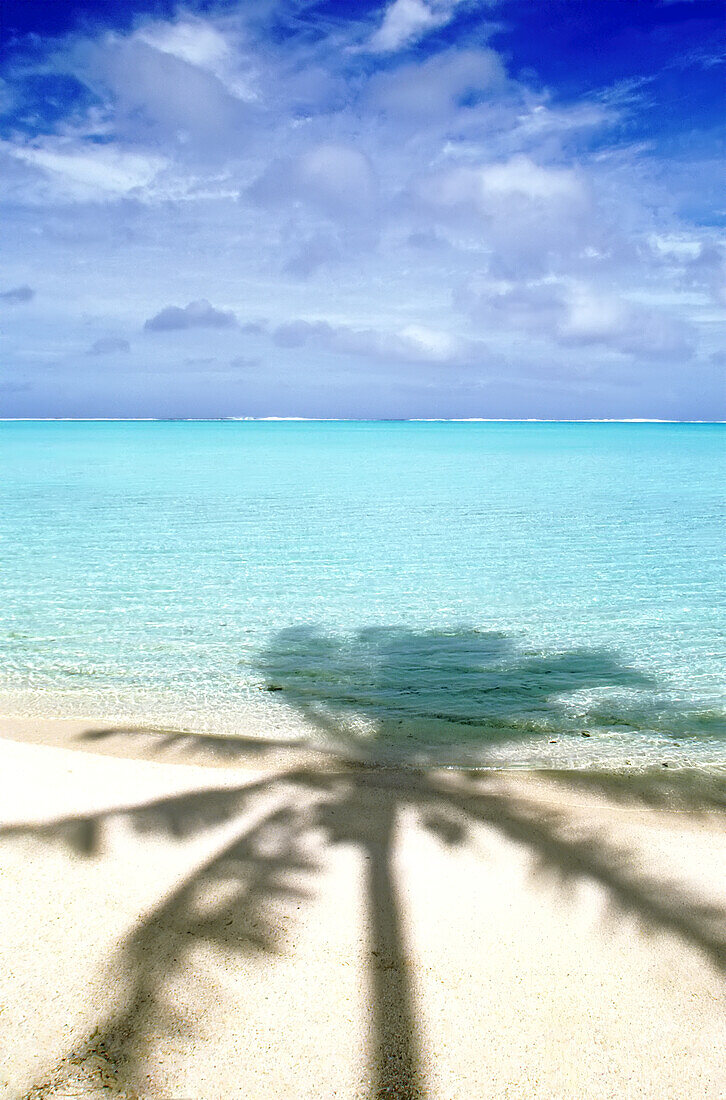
389 705
396 694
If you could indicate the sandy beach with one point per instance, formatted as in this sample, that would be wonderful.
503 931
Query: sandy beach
189 918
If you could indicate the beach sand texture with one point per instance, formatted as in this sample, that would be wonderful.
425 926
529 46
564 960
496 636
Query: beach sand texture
208 919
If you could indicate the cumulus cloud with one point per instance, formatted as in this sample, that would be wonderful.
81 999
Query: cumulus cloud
180 82
324 205
169 95
333 178
17 294
200 314
483 186
626 327
106 345
532 219
576 315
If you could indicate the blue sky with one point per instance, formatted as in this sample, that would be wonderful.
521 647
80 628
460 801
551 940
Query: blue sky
417 208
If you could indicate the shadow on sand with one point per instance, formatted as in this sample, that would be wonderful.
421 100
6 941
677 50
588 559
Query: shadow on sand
389 705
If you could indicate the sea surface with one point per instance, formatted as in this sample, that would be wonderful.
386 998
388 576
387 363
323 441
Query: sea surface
461 593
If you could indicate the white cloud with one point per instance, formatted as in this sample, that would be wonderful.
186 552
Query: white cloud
574 314
542 120
337 175
201 44
194 41
531 219
593 318
436 87
161 98
433 345
88 171
626 327
406 21
412 343
520 177
336 179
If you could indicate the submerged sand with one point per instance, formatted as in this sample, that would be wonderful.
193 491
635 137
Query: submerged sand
188 918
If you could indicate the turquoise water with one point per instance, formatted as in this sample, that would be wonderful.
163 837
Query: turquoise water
486 592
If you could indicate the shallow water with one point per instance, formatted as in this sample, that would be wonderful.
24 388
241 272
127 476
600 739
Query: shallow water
459 592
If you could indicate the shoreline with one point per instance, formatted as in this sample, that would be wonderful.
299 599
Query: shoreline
282 731
285 923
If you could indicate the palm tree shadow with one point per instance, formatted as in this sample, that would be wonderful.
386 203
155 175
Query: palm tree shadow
434 697
389 708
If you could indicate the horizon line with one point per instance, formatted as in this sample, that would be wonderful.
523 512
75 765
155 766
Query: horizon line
347 420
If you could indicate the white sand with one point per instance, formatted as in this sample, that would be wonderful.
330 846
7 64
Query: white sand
350 933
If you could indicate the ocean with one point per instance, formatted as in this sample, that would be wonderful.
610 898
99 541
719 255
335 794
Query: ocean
458 593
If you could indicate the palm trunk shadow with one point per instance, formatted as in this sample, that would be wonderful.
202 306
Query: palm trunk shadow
363 813
394 1052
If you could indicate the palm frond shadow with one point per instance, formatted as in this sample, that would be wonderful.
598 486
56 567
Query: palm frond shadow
288 820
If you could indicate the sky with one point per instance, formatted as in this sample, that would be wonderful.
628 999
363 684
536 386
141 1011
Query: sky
415 208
